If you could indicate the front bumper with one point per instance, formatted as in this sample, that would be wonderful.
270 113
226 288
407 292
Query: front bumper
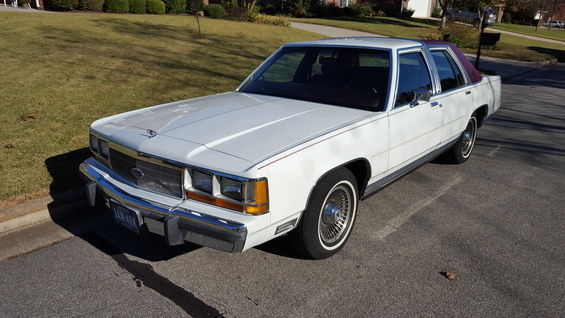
176 224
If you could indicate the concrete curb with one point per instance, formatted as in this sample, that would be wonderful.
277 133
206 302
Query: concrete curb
41 210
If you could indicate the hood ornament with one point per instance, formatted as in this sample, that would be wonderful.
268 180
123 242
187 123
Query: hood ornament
152 133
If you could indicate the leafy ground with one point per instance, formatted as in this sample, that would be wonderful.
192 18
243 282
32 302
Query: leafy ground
509 47
60 72
554 33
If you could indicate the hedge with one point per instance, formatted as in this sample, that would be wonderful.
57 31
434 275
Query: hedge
61 5
92 5
194 6
116 6
155 6
214 11
137 6
175 6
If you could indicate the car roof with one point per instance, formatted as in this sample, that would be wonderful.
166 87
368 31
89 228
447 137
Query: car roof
363 41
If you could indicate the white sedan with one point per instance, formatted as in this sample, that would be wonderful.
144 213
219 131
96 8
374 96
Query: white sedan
317 127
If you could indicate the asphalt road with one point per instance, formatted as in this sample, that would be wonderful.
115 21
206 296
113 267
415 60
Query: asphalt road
496 221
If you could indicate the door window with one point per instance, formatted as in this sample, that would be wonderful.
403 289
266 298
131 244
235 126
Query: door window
450 75
413 75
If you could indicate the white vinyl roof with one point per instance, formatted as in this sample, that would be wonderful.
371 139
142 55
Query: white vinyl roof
362 41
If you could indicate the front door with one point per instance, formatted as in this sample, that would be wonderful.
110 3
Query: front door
415 128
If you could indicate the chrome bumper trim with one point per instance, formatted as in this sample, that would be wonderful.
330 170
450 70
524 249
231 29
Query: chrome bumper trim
197 227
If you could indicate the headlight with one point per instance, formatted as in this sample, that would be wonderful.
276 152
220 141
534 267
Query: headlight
202 181
94 143
238 194
231 188
104 149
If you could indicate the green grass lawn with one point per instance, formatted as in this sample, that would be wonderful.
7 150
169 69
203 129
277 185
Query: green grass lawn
509 47
64 71
556 34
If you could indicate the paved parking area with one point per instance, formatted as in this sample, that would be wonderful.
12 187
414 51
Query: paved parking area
497 222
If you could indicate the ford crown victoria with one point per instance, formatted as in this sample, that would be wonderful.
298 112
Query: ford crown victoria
314 129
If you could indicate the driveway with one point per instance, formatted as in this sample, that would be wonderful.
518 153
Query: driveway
329 30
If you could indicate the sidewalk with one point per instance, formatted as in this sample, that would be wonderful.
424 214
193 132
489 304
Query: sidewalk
503 67
531 37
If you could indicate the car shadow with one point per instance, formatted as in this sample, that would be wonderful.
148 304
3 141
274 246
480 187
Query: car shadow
558 54
95 225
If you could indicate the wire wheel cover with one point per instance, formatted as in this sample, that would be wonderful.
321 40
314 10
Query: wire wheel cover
468 138
335 215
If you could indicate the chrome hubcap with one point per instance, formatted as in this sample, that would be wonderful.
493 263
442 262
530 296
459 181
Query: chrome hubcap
331 213
468 138
335 214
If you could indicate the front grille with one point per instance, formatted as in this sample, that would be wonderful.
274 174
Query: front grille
153 176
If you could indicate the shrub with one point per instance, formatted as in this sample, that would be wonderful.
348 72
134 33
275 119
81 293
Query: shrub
270 9
462 36
154 6
320 10
436 13
91 5
507 17
137 6
388 7
116 6
334 11
269 19
230 4
407 13
252 11
194 6
239 14
175 6
299 8
61 5
347 12
215 11
361 10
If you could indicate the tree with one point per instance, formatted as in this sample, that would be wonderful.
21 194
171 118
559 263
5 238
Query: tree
547 9
444 5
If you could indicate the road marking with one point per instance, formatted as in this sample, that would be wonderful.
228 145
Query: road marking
394 224
490 154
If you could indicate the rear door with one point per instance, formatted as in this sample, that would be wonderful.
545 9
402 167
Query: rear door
415 130
455 97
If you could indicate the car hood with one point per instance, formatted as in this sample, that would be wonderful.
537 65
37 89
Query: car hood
248 126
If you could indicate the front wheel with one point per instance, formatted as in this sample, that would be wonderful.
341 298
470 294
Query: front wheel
461 151
328 219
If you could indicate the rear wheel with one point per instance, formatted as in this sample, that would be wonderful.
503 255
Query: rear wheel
461 151
328 219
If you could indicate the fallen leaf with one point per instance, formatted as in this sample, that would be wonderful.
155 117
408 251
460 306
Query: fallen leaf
451 275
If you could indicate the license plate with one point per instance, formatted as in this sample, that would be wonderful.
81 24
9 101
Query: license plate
125 217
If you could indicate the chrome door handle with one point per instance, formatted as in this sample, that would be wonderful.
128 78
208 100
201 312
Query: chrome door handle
468 93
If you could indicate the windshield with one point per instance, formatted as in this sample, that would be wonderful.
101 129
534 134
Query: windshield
350 77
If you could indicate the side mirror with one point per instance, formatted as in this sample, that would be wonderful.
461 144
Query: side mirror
420 94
